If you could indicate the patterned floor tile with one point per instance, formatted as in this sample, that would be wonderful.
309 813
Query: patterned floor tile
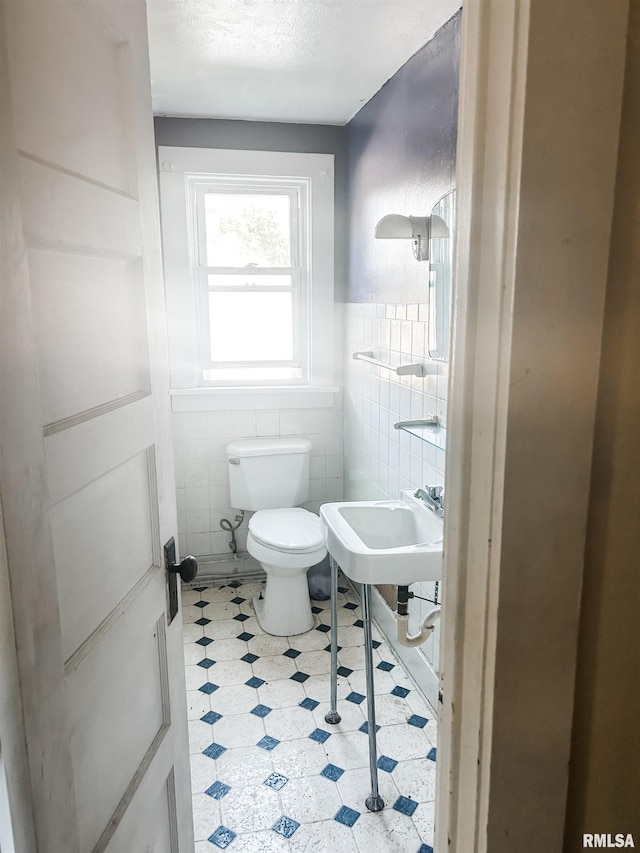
416 779
295 758
317 687
323 836
383 683
276 781
264 645
347 816
251 808
387 831
235 730
266 841
346 616
282 693
346 750
197 704
222 837
193 653
290 724
243 766
312 641
403 742
351 717
230 672
238 699
274 668
424 819
285 826
223 629
200 735
203 773
391 710
258 800
192 632
314 663
228 650
310 798
355 787
206 816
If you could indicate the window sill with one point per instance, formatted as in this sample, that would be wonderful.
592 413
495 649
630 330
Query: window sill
272 397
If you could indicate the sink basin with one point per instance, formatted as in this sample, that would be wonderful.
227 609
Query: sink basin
397 542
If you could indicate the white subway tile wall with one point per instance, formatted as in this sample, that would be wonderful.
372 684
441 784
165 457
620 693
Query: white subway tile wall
380 461
202 470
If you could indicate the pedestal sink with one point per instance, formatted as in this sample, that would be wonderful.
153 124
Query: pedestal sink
393 542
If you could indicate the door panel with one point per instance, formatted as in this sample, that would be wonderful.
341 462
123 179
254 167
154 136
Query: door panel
116 536
105 334
96 219
110 713
91 615
91 80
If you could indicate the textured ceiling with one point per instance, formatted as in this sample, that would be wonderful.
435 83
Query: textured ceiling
312 61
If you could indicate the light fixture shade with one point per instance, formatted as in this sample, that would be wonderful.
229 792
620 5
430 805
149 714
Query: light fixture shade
414 228
394 227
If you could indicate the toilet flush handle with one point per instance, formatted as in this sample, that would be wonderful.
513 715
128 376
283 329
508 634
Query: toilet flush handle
233 460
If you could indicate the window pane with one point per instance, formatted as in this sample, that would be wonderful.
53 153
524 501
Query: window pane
244 229
249 280
251 326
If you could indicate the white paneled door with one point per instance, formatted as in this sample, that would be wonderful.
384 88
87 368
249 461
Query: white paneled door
86 476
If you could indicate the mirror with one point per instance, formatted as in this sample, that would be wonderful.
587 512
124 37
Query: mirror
441 276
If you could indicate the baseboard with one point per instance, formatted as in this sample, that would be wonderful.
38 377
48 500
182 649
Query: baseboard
415 663
218 568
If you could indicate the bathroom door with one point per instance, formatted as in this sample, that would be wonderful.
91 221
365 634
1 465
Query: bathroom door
86 469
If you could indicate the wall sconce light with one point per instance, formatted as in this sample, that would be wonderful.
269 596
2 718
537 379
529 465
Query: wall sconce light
418 229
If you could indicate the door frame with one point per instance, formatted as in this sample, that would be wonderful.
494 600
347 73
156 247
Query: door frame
540 101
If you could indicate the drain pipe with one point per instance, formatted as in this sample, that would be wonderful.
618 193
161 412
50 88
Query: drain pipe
402 618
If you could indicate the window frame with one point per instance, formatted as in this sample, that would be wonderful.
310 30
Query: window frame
181 170
297 191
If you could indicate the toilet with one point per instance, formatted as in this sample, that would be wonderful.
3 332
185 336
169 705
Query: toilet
271 478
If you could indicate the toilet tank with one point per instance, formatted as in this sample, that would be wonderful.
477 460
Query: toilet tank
268 473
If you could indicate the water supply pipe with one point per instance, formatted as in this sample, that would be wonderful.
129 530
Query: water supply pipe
427 625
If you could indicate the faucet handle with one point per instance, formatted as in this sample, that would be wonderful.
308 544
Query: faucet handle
435 492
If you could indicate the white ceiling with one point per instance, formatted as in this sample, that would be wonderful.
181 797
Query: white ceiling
313 61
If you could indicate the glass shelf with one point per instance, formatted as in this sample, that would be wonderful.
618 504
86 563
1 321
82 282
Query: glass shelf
432 434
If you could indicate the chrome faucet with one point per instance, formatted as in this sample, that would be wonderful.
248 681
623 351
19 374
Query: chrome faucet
433 497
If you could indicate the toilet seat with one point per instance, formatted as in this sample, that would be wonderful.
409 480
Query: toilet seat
292 530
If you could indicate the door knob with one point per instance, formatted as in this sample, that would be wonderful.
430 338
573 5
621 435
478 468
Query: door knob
187 569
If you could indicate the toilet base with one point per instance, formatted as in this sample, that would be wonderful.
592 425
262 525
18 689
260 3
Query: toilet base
285 609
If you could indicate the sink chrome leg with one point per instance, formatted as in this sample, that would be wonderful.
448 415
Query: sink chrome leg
332 716
374 801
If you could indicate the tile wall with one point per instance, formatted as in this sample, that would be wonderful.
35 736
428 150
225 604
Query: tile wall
202 475
380 461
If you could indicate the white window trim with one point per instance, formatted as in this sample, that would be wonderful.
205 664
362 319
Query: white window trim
176 165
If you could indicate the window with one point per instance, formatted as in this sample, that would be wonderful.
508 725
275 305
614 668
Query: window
251 275
248 251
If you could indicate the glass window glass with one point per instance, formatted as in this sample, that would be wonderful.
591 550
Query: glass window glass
251 326
243 229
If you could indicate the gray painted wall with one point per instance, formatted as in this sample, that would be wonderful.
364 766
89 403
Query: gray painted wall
401 159
272 136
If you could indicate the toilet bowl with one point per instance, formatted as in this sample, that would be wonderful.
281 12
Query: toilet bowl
271 477
286 542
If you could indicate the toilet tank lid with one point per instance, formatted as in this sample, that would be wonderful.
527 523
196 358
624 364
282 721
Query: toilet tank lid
268 446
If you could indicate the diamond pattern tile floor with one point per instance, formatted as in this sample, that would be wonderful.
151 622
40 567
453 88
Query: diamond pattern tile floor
280 777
